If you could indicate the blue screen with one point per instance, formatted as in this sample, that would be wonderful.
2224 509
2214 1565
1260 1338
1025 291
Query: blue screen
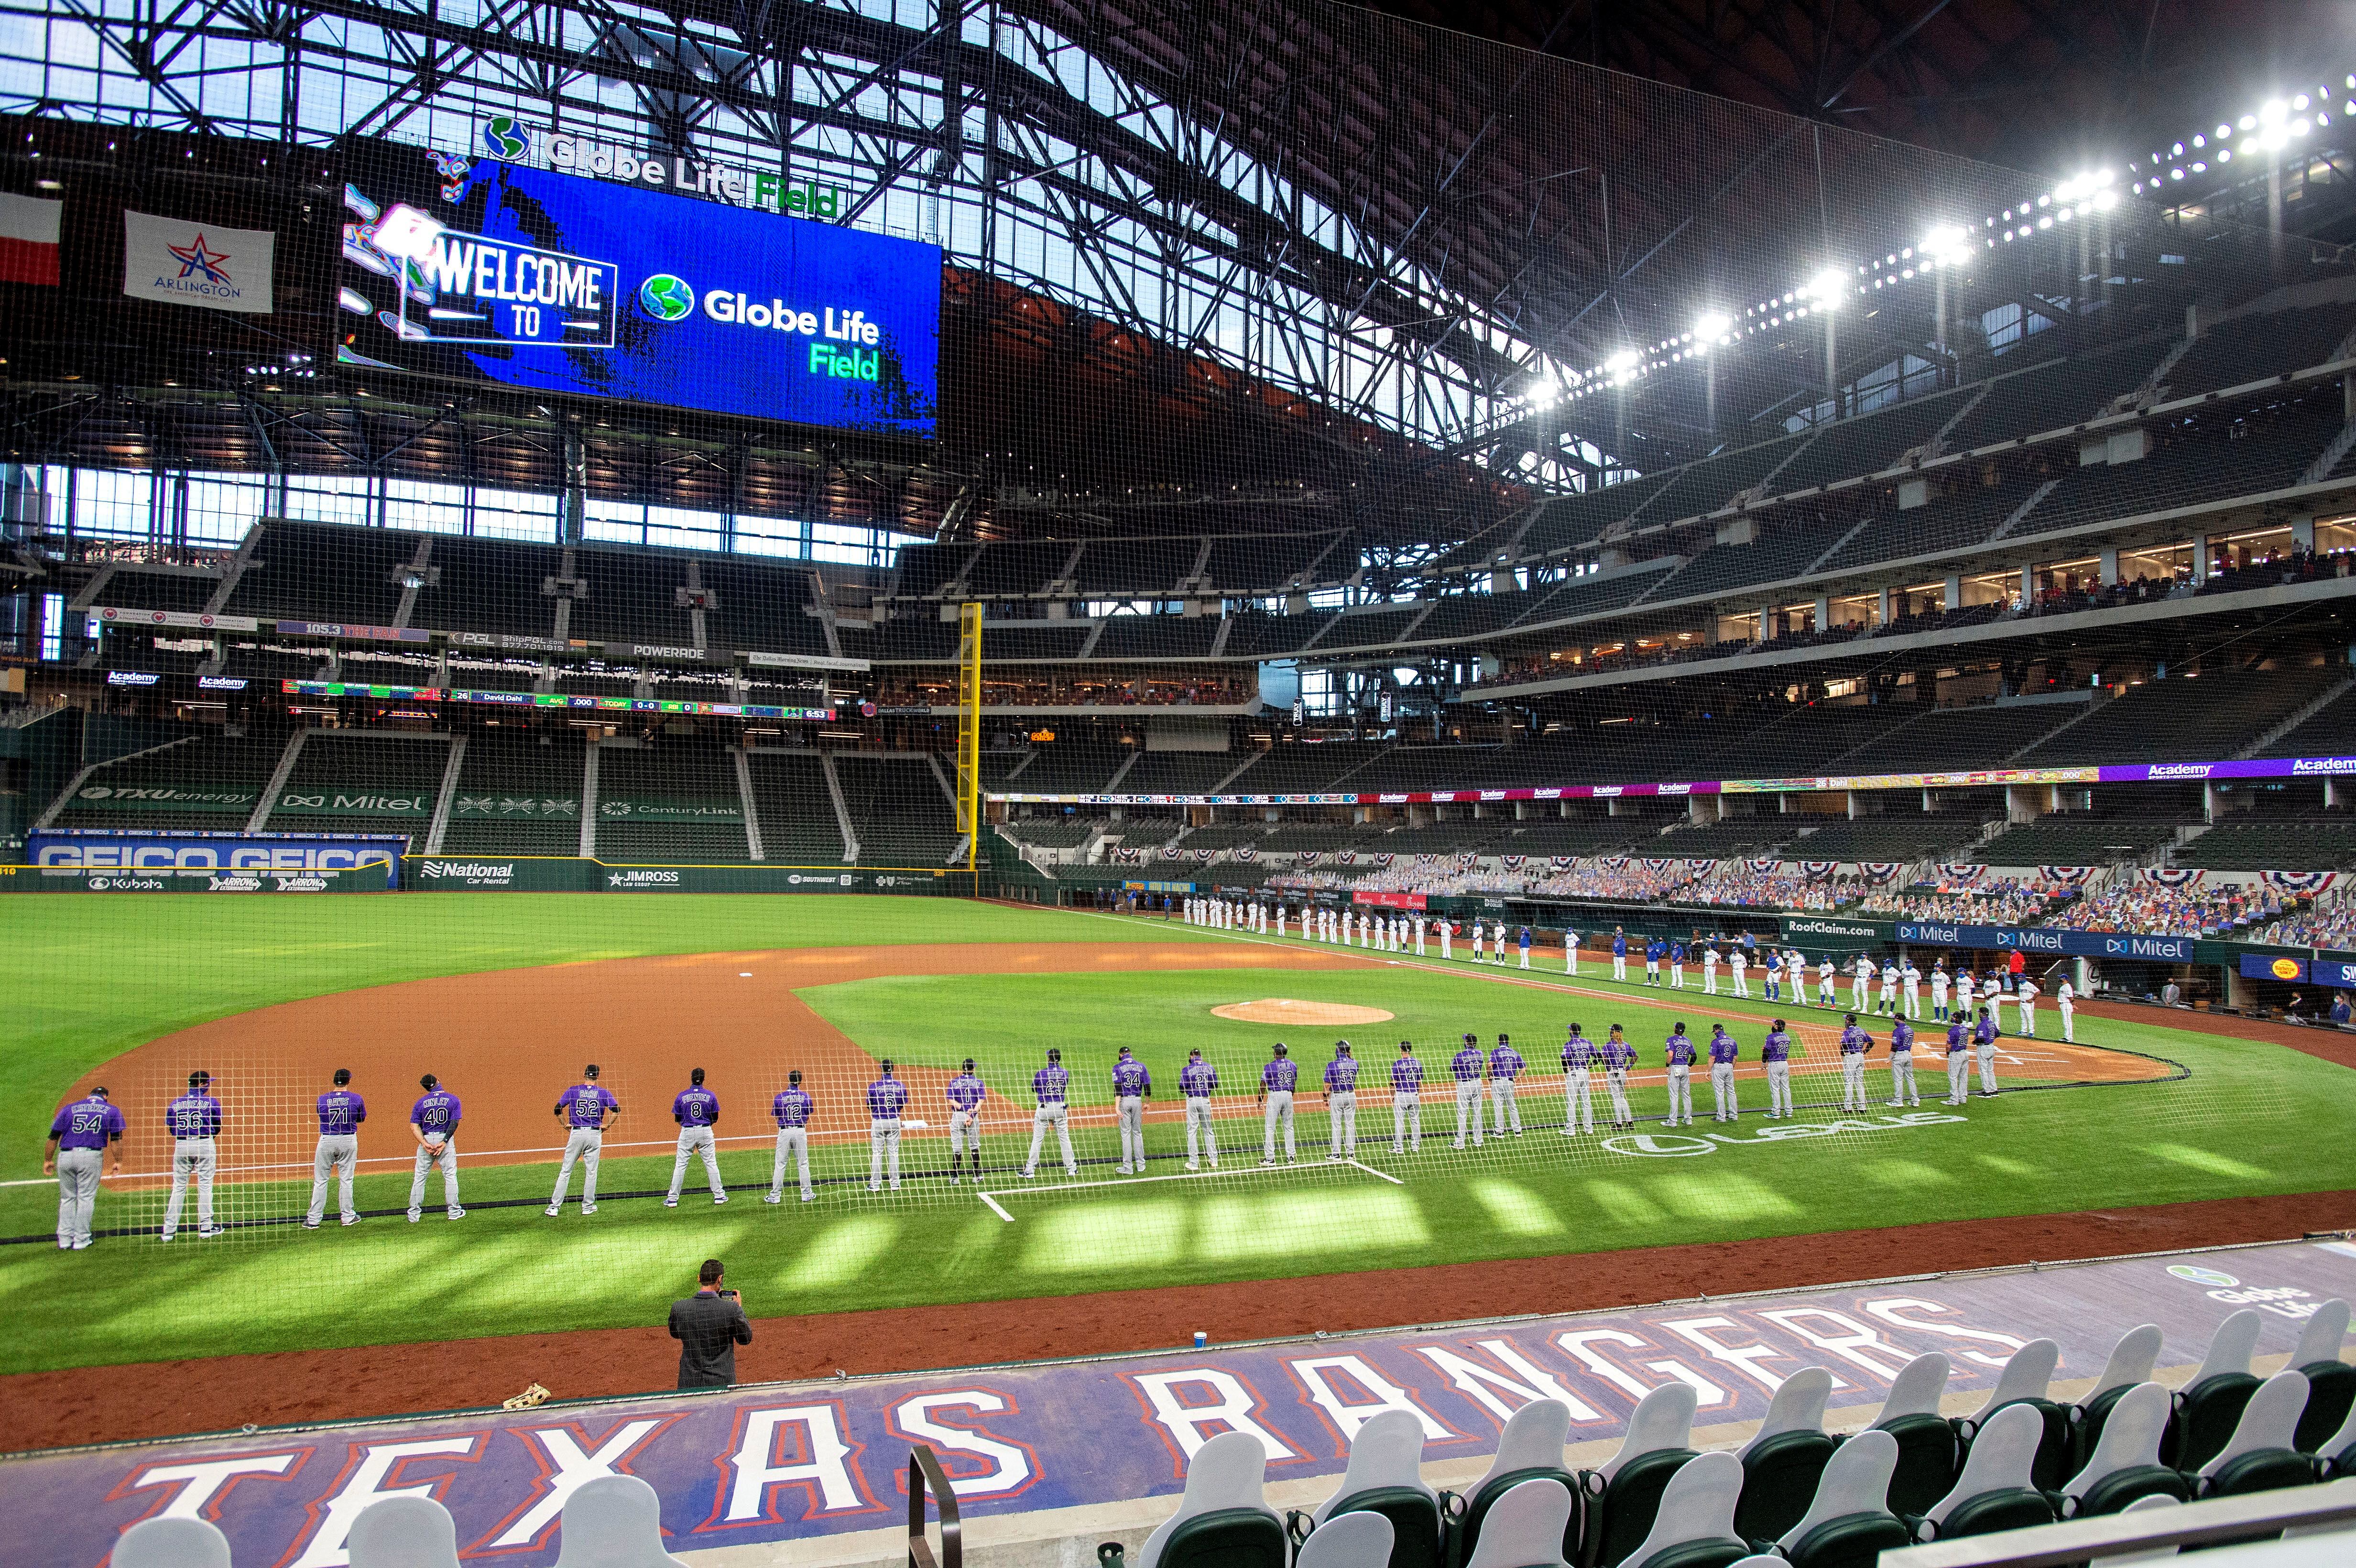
564 285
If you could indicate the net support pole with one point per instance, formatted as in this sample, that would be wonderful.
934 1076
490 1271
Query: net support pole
969 741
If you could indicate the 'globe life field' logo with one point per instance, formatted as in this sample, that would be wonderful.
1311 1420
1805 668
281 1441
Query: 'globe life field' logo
667 297
504 137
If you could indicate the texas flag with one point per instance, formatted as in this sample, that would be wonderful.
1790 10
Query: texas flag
28 240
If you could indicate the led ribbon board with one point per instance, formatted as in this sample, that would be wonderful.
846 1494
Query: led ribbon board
561 284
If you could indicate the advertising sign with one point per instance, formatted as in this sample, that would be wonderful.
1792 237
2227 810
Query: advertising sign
2043 939
1385 900
204 855
554 282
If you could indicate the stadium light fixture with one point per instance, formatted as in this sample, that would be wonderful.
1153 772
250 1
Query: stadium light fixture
1827 287
1711 325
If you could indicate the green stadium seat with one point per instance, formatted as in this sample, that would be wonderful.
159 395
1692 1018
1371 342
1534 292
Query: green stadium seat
1785 1459
2024 1381
1928 1453
1994 1491
2258 1456
1385 1478
1694 1527
1224 1520
1624 1496
2125 1465
2330 1382
1529 1449
2211 1400
2132 1359
1847 1523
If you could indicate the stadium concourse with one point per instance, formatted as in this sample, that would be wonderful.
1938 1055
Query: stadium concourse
1124 709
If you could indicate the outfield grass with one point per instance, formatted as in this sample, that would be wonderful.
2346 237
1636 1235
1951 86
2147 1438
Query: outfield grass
2253 1118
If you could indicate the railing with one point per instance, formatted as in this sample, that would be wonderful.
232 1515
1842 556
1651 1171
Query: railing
925 1473
2091 1541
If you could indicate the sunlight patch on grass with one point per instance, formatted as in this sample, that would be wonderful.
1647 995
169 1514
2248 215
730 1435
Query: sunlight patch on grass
1624 1204
1293 1224
1515 1208
841 1252
1083 1237
1727 1196
2206 1159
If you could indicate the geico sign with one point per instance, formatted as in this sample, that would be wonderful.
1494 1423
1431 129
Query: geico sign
120 855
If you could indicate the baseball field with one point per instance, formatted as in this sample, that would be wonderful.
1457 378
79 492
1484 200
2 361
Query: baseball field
506 995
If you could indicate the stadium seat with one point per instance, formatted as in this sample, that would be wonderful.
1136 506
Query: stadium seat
2132 1359
2024 1381
2124 1464
2337 1455
1529 1449
1695 1525
1385 1478
1623 1495
613 1521
1994 1492
404 1532
2146 1505
1784 1460
1224 1520
1847 1523
172 1543
1926 1444
2330 1382
1528 1525
2211 1400
1352 1540
2258 1456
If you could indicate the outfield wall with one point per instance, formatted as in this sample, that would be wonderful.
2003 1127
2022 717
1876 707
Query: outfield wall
550 874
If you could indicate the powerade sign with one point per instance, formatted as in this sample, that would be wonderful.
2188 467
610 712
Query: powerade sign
2043 939
559 284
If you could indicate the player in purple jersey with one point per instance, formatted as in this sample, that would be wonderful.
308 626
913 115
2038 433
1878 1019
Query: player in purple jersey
433 1123
1776 1054
1277 1077
1855 1045
1901 1064
1342 1103
697 1111
80 1138
1467 1067
1678 1052
586 1110
965 1094
1722 1052
792 1110
194 1120
1506 1065
1959 1059
1579 1095
1198 1080
1983 1036
1132 1086
886 1098
342 1112
1618 1057
1051 1087
1406 1099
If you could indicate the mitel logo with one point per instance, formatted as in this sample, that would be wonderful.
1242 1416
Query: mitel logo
505 138
2179 771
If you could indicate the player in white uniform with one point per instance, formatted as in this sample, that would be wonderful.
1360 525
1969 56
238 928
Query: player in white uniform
1739 962
1890 989
1569 952
1447 933
1964 985
1939 983
1709 969
1913 979
1861 991
2066 998
2027 993
1827 984
1420 924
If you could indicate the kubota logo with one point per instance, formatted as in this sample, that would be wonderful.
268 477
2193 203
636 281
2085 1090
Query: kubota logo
666 297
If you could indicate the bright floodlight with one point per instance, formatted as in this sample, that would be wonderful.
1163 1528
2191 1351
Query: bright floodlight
1713 324
407 233
1827 287
1627 359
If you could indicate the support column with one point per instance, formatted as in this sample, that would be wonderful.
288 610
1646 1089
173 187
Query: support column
2029 585
2199 558
2111 567
1954 591
2302 532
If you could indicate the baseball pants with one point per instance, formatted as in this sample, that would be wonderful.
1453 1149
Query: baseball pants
1829 996
1852 1081
1279 1109
692 1141
1742 983
2069 1027
1570 957
1199 1126
1577 1103
78 1171
1721 1089
1959 1076
1619 966
1988 1070
1343 1106
883 1153
1129 1112
1502 1101
794 1141
1058 1117
1889 1001
1860 996
1419 939
1677 976
1615 1082
446 1159
1901 1079
1447 943
1468 1107
1652 972
964 1125
191 1156
1406 1120
338 1154
1913 1001
1680 1095
585 1145
2028 1016
1526 957
1779 1089
1709 979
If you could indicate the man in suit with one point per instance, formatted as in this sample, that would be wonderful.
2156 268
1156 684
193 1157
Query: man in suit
709 1326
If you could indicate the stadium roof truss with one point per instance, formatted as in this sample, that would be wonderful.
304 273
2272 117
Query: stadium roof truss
1014 144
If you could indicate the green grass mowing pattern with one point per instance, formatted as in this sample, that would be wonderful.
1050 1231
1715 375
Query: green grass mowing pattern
2254 1118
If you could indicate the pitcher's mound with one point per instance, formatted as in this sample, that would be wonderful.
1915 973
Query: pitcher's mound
1286 1010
